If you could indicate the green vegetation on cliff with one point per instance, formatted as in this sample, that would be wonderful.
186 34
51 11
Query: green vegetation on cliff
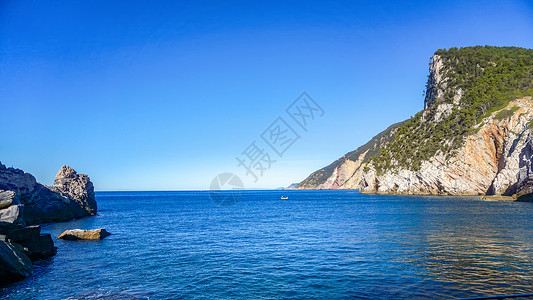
488 78
464 86
506 113
373 147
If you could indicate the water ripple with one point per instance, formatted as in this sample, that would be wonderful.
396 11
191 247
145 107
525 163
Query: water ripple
317 244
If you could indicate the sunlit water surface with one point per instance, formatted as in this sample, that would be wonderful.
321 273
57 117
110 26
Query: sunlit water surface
316 244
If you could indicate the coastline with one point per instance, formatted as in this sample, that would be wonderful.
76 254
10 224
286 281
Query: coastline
479 196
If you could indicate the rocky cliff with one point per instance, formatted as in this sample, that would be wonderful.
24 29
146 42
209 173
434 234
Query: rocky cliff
345 173
19 246
24 201
474 136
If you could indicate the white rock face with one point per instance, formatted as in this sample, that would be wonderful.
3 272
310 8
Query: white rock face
457 97
443 110
345 176
436 72
492 161
497 160
524 185
13 214
6 198
438 86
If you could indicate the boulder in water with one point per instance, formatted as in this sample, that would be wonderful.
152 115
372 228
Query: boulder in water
80 234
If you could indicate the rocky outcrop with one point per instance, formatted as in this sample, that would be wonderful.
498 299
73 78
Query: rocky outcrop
6 198
80 234
36 245
523 188
25 201
77 188
292 186
14 264
19 246
13 214
474 136
437 87
490 162
345 173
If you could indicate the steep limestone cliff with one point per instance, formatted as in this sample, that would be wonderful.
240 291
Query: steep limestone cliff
473 137
489 162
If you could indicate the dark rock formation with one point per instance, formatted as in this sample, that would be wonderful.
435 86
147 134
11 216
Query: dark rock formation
25 201
14 264
80 234
36 245
19 245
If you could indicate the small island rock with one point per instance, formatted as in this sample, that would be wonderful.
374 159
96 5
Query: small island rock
80 234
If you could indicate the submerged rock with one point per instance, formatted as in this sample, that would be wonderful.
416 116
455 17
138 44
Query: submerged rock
80 234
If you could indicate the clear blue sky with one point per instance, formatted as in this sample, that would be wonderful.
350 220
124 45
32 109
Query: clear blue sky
162 96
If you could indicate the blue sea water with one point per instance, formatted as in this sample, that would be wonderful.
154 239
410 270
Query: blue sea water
314 245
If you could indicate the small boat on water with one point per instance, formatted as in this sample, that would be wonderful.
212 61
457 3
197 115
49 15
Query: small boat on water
284 198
